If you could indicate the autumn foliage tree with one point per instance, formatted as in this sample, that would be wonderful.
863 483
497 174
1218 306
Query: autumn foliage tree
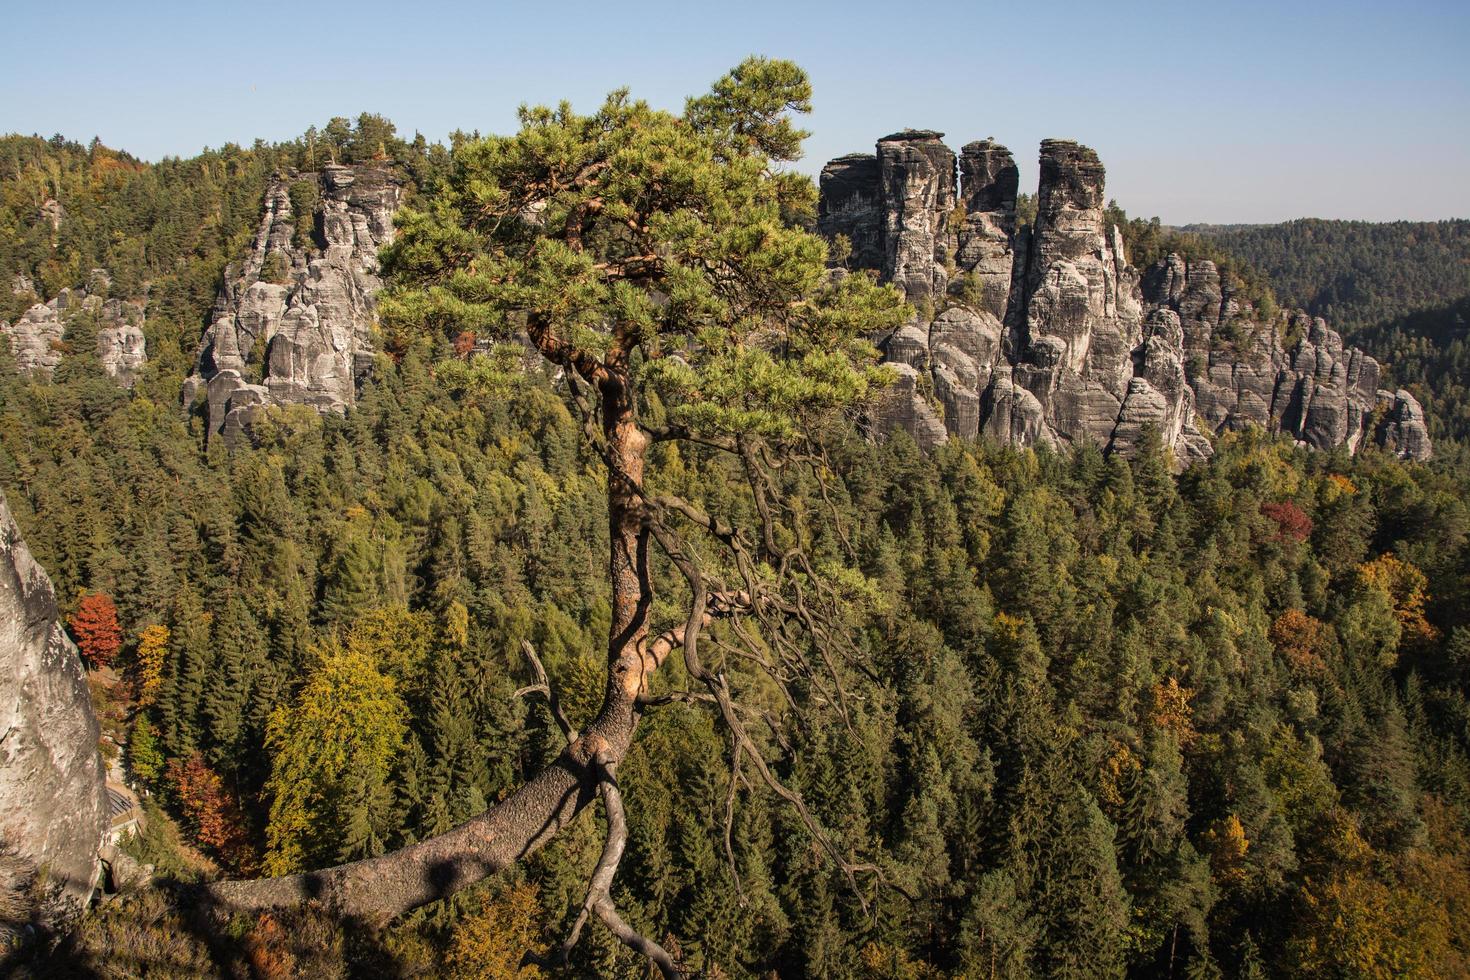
152 650
1303 640
1407 588
213 812
331 753
1292 523
95 629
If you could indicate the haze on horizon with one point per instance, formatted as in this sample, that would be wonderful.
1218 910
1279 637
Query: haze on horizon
1223 113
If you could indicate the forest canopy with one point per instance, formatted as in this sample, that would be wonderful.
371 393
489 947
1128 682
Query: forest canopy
976 712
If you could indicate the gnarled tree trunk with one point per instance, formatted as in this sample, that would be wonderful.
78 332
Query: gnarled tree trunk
377 889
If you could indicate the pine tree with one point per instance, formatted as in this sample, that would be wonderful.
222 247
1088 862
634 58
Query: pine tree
188 664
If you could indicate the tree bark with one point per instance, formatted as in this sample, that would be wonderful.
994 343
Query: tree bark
380 888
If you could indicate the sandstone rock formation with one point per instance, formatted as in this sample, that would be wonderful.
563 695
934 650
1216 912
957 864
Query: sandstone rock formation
53 808
917 181
850 205
1319 391
1402 429
36 337
294 321
1046 335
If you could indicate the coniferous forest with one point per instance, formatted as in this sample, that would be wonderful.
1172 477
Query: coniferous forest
974 712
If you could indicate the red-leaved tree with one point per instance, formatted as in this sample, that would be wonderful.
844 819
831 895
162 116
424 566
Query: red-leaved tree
1292 523
95 629
213 812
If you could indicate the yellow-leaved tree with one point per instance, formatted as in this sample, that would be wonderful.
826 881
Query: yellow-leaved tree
332 751
152 648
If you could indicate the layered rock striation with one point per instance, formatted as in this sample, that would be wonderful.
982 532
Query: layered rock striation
37 336
1044 334
294 322
53 804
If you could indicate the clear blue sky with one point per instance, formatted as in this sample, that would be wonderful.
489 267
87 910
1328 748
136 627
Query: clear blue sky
1201 111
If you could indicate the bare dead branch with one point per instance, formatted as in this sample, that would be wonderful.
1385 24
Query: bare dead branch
718 686
544 688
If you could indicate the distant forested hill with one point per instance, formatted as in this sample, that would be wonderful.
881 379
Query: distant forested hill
1355 273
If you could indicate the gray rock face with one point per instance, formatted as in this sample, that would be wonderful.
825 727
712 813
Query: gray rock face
917 177
36 337
120 342
52 798
903 406
1047 336
850 206
52 213
1080 318
294 322
1402 429
985 255
1319 391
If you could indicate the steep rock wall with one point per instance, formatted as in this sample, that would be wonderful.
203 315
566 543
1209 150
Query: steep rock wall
1046 335
53 804
294 321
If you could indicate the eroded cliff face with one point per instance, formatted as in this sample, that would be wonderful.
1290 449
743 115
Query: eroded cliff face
294 322
53 803
36 337
1318 390
1046 335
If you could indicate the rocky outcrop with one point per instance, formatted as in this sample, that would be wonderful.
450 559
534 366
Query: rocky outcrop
1242 371
904 405
1402 430
851 206
985 242
1080 319
917 181
53 808
120 343
36 337
294 322
1046 335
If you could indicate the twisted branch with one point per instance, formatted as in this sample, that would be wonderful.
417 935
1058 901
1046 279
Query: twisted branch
544 688
599 889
